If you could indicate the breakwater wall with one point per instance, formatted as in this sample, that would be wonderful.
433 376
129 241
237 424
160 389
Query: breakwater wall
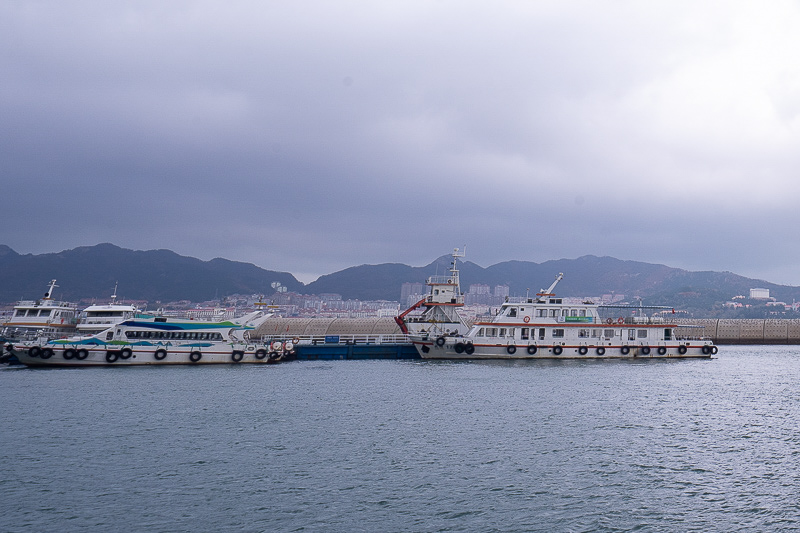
748 331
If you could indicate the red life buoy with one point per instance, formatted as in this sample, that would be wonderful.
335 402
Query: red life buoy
620 320
527 319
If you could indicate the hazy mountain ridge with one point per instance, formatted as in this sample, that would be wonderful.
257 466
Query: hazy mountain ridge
163 275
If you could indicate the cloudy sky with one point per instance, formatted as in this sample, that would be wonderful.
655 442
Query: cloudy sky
309 136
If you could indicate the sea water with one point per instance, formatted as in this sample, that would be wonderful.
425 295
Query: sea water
633 445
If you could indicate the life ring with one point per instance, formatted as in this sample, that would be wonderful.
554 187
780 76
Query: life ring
583 350
34 351
682 349
663 350
81 354
47 353
237 356
459 347
440 341
160 354
610 321
273 356
645 350
261 353
296 340
69 353
469 348
620 320
625 350
714 350
511 349
195 356
111 356
601 350
557 350
706 350
277 345
526 319
125 353
531 349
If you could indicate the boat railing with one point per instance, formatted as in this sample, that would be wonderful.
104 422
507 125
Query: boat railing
441 280
337 339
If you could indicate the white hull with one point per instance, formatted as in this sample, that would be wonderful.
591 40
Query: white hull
460 348
146 355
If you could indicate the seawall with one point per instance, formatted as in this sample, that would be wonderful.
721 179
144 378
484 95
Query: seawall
748 331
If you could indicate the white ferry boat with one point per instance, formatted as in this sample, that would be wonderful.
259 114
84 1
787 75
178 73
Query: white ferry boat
440 314
45 317
158 340
99 317
547 327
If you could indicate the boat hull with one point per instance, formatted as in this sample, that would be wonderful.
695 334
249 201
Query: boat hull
146 355
462 349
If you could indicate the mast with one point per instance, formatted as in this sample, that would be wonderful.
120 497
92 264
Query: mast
49 294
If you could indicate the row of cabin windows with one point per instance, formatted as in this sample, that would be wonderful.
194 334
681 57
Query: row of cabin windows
175 335
552 313
38 312
531 333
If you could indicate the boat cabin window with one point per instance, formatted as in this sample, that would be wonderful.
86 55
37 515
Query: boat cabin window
631 335
541 334
512 311
541 312
608 333
44 312
642 333
524 334
595 333
583 333
491 332
554 313
109 335
502 332
667 334
480 332
558 333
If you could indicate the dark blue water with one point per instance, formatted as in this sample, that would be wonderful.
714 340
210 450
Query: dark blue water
691 445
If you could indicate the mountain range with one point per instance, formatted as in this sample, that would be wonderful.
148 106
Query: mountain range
163 275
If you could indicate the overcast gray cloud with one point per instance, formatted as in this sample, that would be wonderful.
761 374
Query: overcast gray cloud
312 136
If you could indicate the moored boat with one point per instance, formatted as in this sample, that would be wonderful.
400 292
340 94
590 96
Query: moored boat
549 327
99 317
159 341
43 318
440 307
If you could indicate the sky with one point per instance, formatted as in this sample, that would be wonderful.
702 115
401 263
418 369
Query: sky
311 136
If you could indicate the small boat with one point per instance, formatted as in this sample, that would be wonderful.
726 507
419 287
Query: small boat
99 317
549 327
44 318
159 341
440 314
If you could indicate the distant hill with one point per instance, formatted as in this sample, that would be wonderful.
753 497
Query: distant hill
163 275
585 276
154 275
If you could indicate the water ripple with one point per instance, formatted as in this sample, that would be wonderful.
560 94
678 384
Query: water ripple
407 446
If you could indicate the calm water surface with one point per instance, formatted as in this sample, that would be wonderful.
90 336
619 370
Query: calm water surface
406 446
